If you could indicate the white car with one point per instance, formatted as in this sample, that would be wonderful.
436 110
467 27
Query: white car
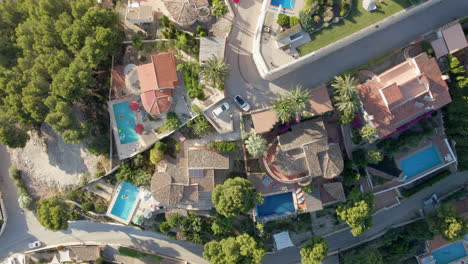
34 244
220 109
242 103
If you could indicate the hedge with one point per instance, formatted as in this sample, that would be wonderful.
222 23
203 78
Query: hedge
411 191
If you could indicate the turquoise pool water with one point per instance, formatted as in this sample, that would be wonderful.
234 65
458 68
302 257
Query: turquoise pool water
449 253
289 4
125 119
276 205
125 200
421 161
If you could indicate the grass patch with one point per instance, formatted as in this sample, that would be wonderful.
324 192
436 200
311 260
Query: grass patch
137 254
411 191
371 63
358 19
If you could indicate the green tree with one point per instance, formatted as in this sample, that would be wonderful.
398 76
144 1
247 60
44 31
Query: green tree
157 152
256 145
299 101
214 72
242 249
369 255
175 220
314 251
219 8
222 225
283 20
164 227
26 202
282 109
12 136
235 196
367 132
357 212
374 156
52 214
172 123
346 96
444 221
137 176
200 126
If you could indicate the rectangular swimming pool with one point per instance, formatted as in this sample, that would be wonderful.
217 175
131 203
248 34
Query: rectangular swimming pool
289 4
276 205
420 161
449 253
125 119
125 200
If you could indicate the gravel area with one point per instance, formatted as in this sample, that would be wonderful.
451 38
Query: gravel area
48 163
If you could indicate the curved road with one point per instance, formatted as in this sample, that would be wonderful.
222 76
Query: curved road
245 80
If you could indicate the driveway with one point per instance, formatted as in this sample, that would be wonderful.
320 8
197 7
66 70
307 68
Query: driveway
409 208
397 32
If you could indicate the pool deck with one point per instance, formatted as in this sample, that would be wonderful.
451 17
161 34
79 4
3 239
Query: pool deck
276 217
111 206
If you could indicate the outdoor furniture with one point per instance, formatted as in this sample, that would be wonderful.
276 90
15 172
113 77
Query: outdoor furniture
266 181
298 190
300 195
301 200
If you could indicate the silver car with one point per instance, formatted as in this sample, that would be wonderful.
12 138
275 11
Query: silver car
242 103
220 109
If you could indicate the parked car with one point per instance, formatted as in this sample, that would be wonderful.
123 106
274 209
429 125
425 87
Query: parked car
220 109
242 103
11 260
34 244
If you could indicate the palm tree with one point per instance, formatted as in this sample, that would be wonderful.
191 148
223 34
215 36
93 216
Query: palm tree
345 87
215 71
201 126
282 108
299 101
347 106
255 145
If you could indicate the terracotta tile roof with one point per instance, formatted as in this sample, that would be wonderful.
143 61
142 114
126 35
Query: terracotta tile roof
302 133
86 253
332 192
199 158
205 183
403 93
320 102
264 120
182 11
190 194
157 79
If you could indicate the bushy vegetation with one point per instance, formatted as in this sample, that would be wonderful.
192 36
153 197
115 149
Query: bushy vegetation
283 19
240 249
445 221
171 123
314 251
25 200
456 118
51 61
222 146
215 72
357 211
374 156
293 104
431 181
315 12
368 132
88 200
191 72
235 196
345 97
293 21
134 173
219 8
200 126
256 145
52 213
410 138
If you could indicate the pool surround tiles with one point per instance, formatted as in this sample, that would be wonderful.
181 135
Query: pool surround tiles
276 205
420 161
119 208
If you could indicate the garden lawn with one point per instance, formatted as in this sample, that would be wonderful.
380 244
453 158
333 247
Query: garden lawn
358 19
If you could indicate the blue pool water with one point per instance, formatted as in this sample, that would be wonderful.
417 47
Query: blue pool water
289 4
125 119
125 200
449 253
421 161
276 205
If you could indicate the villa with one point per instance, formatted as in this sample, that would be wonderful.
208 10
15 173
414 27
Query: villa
187 182
403 93
304 153
139 14
186 12
157 81
451 39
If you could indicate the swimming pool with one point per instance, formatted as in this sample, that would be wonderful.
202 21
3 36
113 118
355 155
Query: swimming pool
289 4
420 162
449 253
125 200
276 205
125 119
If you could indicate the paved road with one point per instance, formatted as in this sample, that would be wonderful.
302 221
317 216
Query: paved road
24 228
405 211
397 32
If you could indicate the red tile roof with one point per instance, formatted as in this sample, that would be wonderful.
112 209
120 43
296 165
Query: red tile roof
403 93
157 79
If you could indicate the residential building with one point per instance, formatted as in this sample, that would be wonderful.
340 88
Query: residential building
451 39
403 93
187 182
139 14
304 153
186 12
157 80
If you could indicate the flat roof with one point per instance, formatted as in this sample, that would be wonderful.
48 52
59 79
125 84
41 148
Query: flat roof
454 38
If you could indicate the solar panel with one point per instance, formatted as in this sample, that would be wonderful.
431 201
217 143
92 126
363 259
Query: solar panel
197 173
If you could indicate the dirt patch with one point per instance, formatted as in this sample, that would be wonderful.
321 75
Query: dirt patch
48 163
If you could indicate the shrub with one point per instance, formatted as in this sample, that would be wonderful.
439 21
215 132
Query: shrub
201 32
26 202
175 220
283 20
99 260
374 156
131 253
14 173
100 208
306 21
172 123
367 132
88 206
165 227
219 8
317 19
293 21
431 181
359 157
157 152
53 214
328 15
164 20
309 188
222 146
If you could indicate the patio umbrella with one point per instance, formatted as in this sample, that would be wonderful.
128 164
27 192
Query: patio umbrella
134 105
139 128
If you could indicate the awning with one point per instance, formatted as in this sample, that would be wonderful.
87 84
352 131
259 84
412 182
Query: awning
282 240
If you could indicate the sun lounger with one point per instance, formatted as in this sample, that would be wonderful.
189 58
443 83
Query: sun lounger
300 195
298 190
301 200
